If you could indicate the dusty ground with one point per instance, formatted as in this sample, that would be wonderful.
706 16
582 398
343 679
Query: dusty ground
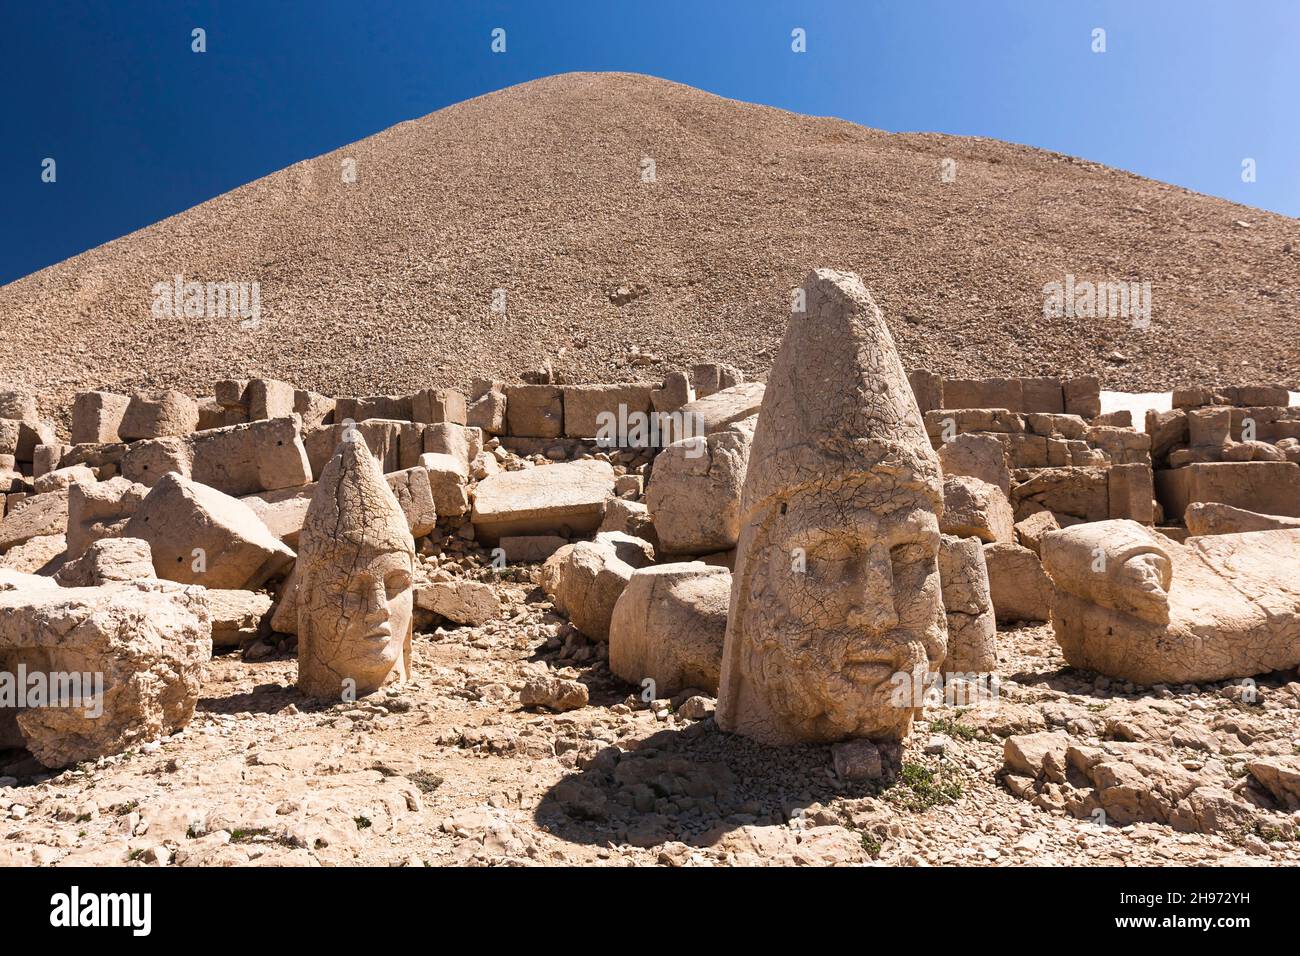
385 284
450 770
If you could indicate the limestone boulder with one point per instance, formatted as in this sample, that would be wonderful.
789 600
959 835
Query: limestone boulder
566 499
34 516
534 411
108 561
1019 587
972 507
200 536
100 511
1211 517
704 416
471 603
160 414
669 625
487 407
1030 531
694 493
60 478
139 656
585 579
97 417
236 615
590 409
147 461
709 378
414 495
977 456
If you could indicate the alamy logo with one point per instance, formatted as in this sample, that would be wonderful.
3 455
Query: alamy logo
1098 300
637 429
26 689
74 909
210 300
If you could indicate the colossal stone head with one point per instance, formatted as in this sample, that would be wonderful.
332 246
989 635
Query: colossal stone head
355 565
836 589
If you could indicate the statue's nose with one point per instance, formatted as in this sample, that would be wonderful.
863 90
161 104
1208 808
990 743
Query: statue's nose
377 602
873 593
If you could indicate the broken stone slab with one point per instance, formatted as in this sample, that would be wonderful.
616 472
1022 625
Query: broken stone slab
978 456
46 458
262 455
972 507
585 579
1280 777
269 398
1081 492
447 438
534 548
108 561
43 554
553 693
589 410
566 499
200 536
675 392
487 407
1130 489
312 408
414 495
1030 531
668 627
708 378
382 436
534 411
97 417
100 511
1082 396
704 416
1018 586
470 603
148 460
435 405
1266 487
137 655
236 615
33 516
1138 606
61 478
160 414
1212 517
448 483
694 493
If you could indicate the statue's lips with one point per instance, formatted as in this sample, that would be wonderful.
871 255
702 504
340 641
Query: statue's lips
381 634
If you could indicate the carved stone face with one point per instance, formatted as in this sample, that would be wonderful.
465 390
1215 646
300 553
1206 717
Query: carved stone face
359 619
845 595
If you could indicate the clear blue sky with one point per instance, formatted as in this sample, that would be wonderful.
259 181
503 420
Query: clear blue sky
141 127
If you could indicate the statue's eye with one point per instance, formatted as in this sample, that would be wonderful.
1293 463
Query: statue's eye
396 583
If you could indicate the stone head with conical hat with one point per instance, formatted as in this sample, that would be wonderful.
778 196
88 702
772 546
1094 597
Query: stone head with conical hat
355 565
835 599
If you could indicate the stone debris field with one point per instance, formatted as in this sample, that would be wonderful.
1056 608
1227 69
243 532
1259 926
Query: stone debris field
839 613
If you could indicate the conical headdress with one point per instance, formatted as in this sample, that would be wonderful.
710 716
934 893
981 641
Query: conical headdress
353 513
838 403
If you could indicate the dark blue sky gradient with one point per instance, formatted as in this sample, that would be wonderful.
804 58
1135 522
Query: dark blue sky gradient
142 128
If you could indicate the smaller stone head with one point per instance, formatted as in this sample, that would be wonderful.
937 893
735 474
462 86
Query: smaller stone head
355 567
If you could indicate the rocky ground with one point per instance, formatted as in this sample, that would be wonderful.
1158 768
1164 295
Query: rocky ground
386 284
452 770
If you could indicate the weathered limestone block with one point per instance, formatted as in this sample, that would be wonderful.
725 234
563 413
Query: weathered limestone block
534 411
46 458
943 424
1279 777
107 561
163 414
534 548
585 579
200 536
1018 585
269 398
694 493
927 389
630 517
397 408
709 378
34 516
591 410
669 625
836 588
976 508
1080 492
263 455
1056 426
1082 396
9 428
1005 393
150 646
414 495
567 499
44 554
32 435
381 435
1044 394
448 483
410 444
968 606
1268 487
1131 490
465 444
96 417
470 603
979 456
236 615
1211 517
1030 531
100 511
675 392
355 572
1167 431
1137 606
487 406
704 416
434 405
311 408
145 462
61 478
